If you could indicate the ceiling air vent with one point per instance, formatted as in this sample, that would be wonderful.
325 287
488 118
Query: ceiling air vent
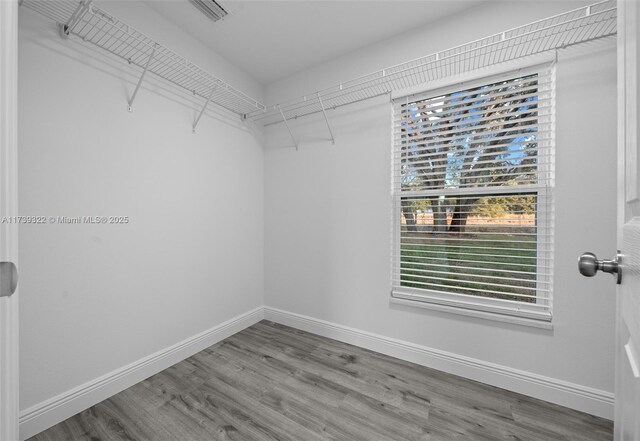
210 8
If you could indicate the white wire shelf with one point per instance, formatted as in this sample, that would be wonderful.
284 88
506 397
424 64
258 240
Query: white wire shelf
93 25
557 32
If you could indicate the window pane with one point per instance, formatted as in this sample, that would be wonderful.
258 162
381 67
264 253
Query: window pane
485 136
481 245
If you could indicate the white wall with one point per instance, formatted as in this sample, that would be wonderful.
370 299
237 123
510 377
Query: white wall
328 211
95 298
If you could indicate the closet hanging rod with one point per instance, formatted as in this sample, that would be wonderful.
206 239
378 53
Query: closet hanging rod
559 31
96 26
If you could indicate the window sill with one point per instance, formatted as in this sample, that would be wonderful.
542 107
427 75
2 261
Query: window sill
461 310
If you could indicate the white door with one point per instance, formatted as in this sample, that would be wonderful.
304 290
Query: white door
8 231
627 388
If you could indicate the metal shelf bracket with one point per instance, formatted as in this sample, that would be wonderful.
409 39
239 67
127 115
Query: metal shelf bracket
66 28
195 123
295 143
144 72
324 112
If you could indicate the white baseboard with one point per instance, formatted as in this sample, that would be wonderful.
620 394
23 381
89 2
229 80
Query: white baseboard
50 412
586 399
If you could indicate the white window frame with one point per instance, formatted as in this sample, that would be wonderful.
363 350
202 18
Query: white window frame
468 305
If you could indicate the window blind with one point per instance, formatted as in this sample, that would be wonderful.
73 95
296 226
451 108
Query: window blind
473 202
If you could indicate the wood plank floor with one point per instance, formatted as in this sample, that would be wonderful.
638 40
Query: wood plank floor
271 382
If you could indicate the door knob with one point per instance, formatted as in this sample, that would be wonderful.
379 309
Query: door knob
589 265
8 278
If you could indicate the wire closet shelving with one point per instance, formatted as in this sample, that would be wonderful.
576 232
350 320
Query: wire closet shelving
93 25
557 32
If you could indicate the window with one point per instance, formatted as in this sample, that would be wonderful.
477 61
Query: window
472 186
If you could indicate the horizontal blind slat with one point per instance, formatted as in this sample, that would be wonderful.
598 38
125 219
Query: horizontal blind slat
420 122
519 125
472 163
422 154
497 266
479 290
467 257
427 274
423 142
